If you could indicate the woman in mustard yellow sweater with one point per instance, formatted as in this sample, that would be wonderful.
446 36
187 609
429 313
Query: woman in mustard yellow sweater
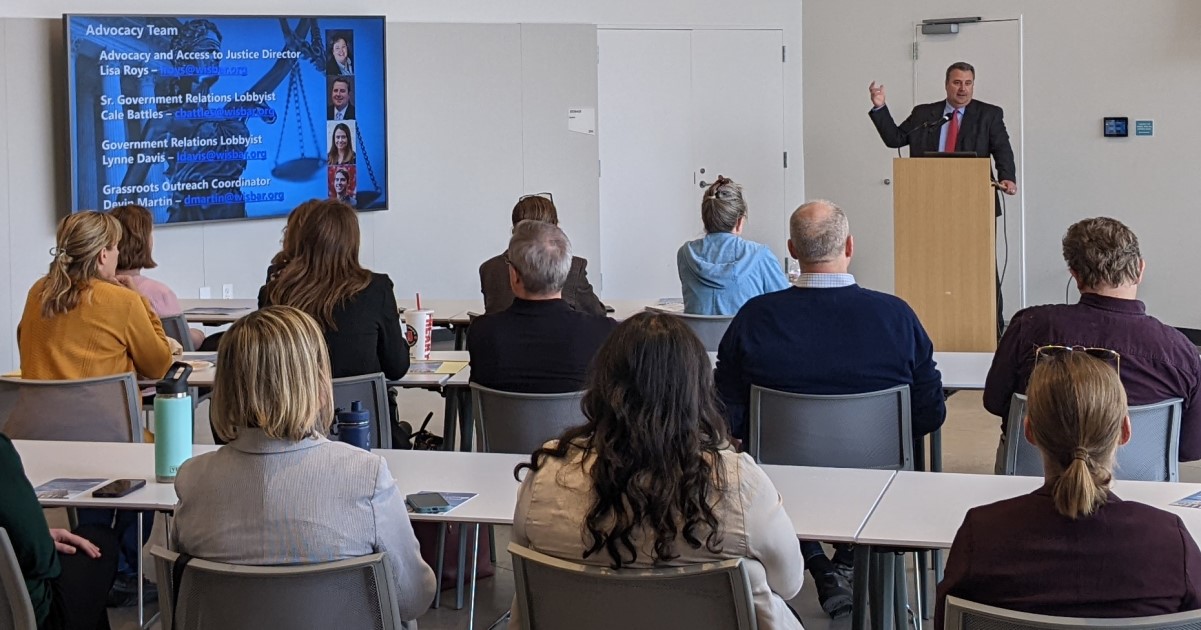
81 319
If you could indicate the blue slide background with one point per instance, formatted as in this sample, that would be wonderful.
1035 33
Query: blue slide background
293 134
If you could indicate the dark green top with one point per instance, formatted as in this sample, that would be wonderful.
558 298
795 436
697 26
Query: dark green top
21 516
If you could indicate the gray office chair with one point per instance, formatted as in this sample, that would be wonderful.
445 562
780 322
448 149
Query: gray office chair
101 409
553 594
871 430
372 390
962 614
709 328
509 422
176 327
354 593
16 610
1152 454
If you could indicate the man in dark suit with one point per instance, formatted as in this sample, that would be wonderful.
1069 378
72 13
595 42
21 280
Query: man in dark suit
958 124
494 273
341 99
539 344
975 127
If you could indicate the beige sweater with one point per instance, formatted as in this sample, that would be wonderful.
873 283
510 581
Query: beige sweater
554 501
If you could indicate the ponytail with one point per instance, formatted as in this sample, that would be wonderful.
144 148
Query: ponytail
1076 406
1078 491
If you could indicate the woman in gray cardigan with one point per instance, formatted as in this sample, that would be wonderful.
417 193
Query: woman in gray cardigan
279 492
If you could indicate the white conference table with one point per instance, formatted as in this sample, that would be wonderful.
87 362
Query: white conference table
217 312
924 510
847 497
963 370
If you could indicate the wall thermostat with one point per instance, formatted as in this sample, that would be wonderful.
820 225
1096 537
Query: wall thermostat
1117 126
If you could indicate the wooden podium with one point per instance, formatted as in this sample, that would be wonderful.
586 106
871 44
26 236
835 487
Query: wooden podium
944 230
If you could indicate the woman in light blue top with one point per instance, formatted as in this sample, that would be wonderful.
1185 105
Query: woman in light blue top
720 272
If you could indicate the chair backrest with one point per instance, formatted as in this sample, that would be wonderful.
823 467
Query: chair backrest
16 610
962 614
709 328
1152 454
870 430
176 327
354 593
372 391
101 409
509 422
553 593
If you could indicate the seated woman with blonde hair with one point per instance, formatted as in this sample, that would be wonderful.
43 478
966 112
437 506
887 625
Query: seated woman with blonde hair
137 241
651 481
1073 548
279 492
83 320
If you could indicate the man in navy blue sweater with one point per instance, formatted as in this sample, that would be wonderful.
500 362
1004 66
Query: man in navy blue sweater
827 335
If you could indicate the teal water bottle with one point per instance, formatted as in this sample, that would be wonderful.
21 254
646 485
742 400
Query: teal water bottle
172 422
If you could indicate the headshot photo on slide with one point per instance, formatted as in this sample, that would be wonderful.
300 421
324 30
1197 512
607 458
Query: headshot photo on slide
341 148
340 44
342 184
341 98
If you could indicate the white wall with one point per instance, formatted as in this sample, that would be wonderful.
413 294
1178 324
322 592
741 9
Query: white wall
1084 59
194 256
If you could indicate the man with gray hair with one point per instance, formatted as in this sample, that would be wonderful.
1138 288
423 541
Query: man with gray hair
540 344
827 335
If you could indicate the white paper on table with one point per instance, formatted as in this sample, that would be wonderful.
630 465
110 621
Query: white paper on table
582 120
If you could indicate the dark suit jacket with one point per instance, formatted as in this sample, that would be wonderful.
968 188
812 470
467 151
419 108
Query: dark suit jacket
1126 560
537 347
329 112
498 295
982 132
369 337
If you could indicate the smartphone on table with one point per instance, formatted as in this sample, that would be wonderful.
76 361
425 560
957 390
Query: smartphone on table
118 488
427 503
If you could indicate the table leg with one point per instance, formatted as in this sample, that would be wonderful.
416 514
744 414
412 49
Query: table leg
901 601
475 554
936 451
440 562
450 417
462 567
460 336
466 426
141 569
887 592
859 589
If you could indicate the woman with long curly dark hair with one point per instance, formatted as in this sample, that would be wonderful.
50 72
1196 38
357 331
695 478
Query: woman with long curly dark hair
651 480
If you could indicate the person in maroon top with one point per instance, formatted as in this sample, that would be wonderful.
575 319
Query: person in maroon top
1072 547
1158 361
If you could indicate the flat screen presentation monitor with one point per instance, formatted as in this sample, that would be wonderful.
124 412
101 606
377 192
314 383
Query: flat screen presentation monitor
214 118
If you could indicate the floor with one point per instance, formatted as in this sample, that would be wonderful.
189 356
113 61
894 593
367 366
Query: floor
969 445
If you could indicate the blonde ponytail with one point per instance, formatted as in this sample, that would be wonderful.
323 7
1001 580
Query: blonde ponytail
80 237
1076 405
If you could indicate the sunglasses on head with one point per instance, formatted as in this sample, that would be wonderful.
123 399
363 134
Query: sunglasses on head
545 195
1104 354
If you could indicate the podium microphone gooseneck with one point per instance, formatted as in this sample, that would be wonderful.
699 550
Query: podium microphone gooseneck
928 124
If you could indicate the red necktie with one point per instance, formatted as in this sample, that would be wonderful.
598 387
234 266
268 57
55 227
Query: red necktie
952 132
